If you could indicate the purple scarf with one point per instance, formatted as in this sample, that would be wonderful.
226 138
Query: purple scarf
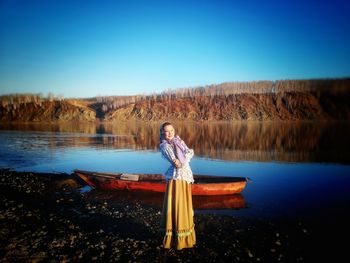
179 148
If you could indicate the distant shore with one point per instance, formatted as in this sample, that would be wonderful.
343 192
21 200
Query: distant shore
45 217
294 100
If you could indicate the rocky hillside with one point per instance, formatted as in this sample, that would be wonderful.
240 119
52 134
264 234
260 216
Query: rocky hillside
288 106
257 101
47 111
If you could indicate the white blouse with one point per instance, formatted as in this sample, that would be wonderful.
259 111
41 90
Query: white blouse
182 173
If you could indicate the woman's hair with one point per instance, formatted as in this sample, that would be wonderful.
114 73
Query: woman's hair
165 124
161 131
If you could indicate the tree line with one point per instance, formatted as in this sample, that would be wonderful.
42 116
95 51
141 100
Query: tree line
17 99
109 103
330 86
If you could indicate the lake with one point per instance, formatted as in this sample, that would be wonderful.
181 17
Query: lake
298 169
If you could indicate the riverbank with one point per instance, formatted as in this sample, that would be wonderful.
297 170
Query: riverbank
312 99
46 217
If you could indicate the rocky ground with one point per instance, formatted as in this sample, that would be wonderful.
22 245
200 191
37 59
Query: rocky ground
44 217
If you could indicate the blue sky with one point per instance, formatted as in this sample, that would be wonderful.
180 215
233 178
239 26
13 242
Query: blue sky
89 48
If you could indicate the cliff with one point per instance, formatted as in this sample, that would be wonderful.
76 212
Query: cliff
47 111
256 107
252 101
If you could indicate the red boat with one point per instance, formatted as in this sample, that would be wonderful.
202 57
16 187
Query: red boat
204 184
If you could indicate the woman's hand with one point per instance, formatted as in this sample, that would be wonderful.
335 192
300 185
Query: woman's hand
177 163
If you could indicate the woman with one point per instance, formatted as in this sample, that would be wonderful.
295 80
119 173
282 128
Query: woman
177 214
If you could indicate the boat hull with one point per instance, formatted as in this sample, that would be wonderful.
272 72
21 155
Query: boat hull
204 185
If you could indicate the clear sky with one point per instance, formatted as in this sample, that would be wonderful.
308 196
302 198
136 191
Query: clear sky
88 48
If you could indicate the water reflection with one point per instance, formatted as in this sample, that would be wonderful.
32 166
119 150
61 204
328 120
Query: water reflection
232 141
235 201
278 188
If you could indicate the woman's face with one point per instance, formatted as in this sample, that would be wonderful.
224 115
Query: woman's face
169 132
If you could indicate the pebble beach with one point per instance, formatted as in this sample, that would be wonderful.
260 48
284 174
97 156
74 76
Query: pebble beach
48 218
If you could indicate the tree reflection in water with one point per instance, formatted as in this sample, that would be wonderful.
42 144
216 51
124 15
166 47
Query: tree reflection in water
232 141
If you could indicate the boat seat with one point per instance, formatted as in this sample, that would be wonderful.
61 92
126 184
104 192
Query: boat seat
129 177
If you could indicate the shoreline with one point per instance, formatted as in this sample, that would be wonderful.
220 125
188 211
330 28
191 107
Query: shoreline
45 217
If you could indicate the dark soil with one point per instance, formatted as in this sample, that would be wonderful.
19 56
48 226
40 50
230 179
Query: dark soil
44 217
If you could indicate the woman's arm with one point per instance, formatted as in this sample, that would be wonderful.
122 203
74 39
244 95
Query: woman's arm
168 153
188 152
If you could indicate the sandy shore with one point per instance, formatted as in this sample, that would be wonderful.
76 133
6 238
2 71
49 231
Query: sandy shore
44 217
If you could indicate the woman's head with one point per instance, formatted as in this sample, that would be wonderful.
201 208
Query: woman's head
167 131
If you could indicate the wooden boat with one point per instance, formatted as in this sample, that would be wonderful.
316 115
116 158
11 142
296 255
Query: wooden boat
204 184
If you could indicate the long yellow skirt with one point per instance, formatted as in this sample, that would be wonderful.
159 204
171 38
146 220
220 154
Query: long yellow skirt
177 216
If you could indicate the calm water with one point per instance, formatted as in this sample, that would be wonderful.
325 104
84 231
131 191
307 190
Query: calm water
297 169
